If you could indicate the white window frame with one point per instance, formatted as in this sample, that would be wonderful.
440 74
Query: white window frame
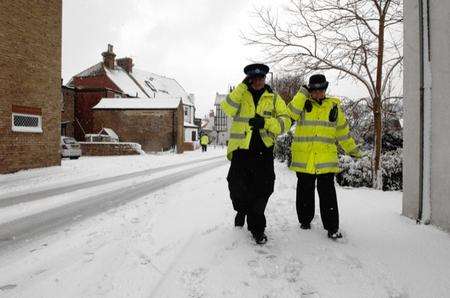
37 129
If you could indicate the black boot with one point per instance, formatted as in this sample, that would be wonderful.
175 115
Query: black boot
305 226
260 238
334 235
239 219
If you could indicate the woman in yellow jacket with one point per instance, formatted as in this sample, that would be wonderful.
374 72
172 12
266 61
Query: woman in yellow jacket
259 115
321 124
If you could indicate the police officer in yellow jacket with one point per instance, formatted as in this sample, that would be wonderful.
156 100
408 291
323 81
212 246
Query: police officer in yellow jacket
204 141
259 116
321 124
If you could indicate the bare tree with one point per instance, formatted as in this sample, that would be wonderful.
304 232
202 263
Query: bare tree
361 39
288 85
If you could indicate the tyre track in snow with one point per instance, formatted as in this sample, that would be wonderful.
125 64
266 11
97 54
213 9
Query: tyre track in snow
22 197
33 226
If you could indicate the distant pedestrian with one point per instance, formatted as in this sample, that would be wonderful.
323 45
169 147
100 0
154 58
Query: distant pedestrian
321 124
259 116
204 141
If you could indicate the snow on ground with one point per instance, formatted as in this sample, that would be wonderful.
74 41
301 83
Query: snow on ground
180 242
90 168
24 209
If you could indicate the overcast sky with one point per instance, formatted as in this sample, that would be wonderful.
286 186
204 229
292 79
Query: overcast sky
196 42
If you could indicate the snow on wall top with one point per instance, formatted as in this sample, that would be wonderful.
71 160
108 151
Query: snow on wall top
187 124
159 86
137 103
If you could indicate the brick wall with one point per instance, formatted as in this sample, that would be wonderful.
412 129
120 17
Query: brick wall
68 111
154 130
85 100
190 146
105 149
30 76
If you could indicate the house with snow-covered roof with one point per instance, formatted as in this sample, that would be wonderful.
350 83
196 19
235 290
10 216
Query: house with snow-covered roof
157 125
118 78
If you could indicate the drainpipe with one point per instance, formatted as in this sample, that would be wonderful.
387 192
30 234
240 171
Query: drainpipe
424 210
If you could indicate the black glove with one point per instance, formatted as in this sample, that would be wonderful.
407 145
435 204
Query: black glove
308 106
333 114
257 122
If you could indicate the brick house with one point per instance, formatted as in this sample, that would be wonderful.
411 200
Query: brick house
67 111
30 84
85 99
118 78
157 125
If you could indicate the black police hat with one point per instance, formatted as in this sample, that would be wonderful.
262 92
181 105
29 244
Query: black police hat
317 82
256 70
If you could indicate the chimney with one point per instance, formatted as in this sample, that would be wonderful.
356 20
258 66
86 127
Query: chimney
108 57
126 63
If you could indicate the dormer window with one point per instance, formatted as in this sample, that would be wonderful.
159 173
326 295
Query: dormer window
150 85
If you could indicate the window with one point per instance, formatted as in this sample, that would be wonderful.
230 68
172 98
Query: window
26 122
63 129
194 135
220 120
150 85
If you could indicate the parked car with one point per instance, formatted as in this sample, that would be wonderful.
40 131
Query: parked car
70 148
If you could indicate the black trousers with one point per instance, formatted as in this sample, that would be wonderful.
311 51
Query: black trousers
204 148
328 201
251 181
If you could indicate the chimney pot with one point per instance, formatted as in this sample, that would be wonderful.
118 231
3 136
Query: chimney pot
126 63
108 57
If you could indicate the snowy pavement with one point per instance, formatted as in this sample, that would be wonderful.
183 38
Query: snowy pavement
179 241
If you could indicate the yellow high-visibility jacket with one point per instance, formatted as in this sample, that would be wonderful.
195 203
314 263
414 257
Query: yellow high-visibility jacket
313 148
204 140
240 106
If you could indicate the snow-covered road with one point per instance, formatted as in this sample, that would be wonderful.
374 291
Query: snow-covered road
47 220
179 241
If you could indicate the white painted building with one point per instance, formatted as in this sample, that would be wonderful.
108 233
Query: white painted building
427 112
222 123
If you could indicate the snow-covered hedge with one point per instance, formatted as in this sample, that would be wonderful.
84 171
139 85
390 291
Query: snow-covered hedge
358 173
355 172
392 163
282 148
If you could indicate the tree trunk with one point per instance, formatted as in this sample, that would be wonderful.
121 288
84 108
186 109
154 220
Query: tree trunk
377 177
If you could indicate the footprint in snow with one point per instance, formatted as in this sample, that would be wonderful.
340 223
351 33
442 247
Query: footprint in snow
7 287
233 245
193 281
211 230
292 270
